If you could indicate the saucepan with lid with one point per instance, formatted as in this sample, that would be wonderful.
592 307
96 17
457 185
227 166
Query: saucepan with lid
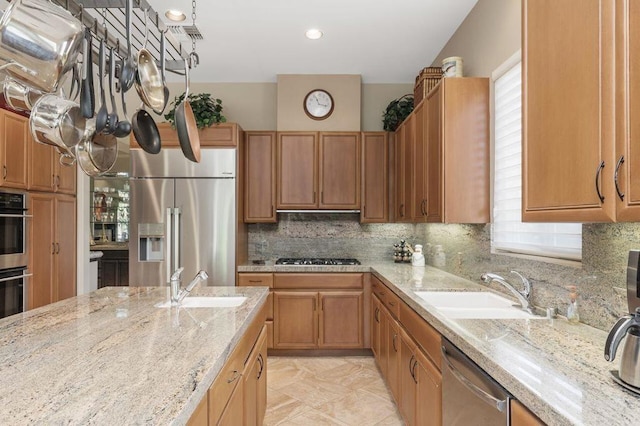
97 153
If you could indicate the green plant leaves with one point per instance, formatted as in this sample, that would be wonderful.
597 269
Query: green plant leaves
206 110
396 112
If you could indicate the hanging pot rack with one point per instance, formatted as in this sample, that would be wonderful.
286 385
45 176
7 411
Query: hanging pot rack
106 20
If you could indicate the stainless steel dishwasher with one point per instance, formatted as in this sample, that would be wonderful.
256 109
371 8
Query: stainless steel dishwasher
469 395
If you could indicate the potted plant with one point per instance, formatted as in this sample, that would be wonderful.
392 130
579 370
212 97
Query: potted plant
396 112
206 109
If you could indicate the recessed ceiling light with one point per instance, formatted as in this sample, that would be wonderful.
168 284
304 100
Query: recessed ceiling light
313 34
175 15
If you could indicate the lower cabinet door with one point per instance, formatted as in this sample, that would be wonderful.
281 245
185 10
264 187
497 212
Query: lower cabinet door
233 414
407 380
341 320
255 382
375 328
200 417
428 391
393 356
261 397
295 320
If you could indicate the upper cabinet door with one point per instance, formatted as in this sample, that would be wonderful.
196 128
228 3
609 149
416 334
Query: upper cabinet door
375 177
13 146
260 184
568 110
339 171
627 174
297 170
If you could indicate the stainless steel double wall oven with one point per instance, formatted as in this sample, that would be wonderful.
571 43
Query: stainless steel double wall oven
14 222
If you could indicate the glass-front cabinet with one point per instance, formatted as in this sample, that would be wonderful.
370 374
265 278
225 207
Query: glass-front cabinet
109 212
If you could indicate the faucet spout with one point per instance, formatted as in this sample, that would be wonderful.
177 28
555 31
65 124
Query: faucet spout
200 276
522 296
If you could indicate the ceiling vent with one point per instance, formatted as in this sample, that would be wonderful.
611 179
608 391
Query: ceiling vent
186 32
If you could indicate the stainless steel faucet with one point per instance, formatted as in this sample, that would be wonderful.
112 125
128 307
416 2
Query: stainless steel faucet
178 294
522 296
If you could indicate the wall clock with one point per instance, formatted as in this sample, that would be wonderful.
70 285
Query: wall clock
318 104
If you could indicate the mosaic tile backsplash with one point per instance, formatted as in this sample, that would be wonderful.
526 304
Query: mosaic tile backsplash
600 281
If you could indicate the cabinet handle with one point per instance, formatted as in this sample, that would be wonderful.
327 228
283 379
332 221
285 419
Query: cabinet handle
255 281
393 341
413 371
598 172
4 172
57 181
411 367
424 207
376 315
391 303
236 375
314 196
261 361
615 177
322 197
57 248
401 210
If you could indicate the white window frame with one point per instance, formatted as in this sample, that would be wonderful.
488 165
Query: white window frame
545 256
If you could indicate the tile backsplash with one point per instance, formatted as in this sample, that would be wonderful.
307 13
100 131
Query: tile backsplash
601 280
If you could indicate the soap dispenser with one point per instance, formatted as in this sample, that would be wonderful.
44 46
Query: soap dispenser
572 310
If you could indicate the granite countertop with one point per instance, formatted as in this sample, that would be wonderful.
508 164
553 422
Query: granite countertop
111 356
555 368
109 246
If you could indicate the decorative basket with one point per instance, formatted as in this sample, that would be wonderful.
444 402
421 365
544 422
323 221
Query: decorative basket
425 81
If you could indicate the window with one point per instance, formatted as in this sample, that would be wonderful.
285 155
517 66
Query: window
508 233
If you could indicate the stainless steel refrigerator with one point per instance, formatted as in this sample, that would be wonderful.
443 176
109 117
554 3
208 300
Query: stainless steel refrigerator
182 214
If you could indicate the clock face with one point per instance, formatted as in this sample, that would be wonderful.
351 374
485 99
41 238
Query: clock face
318 104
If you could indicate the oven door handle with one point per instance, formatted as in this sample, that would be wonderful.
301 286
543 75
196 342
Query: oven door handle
499 404
16 215
15 278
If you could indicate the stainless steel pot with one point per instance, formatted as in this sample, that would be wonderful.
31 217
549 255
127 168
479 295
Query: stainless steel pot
57 121
97 153
18 96
39 43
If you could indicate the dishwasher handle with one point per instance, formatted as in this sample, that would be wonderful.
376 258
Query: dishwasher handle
499 404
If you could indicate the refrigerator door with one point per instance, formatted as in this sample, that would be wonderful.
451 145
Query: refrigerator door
150 236
207 240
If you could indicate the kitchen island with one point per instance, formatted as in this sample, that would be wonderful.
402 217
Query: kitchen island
112 357
554 368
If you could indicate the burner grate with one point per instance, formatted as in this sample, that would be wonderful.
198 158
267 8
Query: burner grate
314 261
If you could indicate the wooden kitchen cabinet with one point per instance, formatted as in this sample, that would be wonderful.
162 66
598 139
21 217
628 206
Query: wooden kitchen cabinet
255 383
569 87
341 320
393 353
45 171
457 152
260 177
403 170
521 416
420 386
318 170
339 179
297 170
318 311
627 42
419 166
14 134
221 135
375 181
376 326
53 248
113 268
295 320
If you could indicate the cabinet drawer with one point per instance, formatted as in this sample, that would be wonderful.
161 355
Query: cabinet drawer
255 280
426 336
379 289
392 302
318 281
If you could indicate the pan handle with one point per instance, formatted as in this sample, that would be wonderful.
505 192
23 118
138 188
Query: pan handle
186 79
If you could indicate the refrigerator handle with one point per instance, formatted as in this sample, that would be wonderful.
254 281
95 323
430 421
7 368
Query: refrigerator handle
167 232
176 235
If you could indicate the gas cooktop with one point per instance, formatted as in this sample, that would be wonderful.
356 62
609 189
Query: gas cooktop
316 261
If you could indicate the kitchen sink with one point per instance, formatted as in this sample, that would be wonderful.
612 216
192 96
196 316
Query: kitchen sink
474 304
208 302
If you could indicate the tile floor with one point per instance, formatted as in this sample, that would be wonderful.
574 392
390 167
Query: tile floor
328 391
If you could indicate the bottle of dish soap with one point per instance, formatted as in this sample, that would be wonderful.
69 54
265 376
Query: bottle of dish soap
572 310
417 259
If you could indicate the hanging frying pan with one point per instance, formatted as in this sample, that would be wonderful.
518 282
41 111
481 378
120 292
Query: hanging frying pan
186 124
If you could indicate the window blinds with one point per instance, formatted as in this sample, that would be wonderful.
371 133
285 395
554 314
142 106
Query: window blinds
509 234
